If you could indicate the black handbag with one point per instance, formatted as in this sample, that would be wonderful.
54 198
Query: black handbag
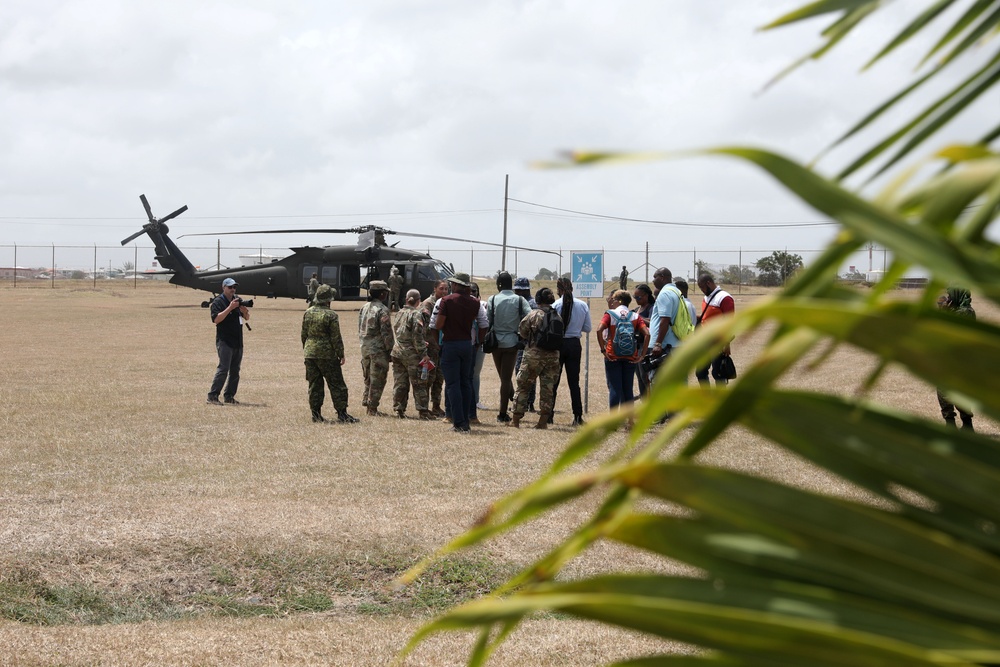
490 339
724 368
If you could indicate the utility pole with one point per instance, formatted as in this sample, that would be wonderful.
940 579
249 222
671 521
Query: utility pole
503 252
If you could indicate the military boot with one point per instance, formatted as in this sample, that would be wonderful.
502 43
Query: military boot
949 421
426 414
543 420
516 420
317 417
345 418
401 414
967 423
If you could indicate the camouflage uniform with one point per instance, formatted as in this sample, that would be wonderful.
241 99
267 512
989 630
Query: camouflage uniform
375 332
311 291
395 287
410 348
536 363
323 347
435 381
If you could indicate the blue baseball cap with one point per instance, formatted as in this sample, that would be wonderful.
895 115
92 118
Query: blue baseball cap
229 282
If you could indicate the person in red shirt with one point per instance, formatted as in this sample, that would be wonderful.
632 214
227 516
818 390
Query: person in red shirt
456 315
717 303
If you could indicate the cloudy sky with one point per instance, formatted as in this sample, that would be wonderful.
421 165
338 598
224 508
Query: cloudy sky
410 114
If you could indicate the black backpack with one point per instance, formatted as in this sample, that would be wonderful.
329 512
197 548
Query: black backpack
550 332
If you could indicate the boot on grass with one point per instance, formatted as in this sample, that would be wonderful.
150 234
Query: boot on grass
516 420
543 420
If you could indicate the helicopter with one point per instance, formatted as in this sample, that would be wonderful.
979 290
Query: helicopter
347 268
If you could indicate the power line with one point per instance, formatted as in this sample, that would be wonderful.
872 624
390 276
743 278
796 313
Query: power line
678 223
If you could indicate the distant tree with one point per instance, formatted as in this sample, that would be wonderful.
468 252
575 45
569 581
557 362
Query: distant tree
78 275
777 267
701 267
735 274
854 276
128 267
567 275
545 274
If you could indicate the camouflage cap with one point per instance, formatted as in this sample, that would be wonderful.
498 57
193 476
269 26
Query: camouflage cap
325 294
522 283
376 285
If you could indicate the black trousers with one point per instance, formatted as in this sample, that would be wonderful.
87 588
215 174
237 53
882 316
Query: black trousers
569 360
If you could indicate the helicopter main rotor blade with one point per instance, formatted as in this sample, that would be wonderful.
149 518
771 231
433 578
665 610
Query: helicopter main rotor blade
149 211
452 238
353 230
134 237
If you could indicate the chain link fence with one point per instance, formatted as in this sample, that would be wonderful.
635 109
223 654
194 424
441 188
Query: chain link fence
33 265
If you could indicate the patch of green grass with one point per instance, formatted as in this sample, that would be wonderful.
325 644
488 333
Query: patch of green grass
27 597
248 582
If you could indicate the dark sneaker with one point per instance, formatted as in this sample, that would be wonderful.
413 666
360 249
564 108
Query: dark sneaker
460 429
578 421
232 401
503 417
345 418
213 401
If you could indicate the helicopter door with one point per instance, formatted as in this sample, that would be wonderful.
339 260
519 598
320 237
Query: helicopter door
408 276
307 273
350 281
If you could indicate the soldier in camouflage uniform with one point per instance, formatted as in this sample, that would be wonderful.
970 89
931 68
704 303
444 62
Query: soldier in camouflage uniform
536 363
435 381
959 301
395 287
408 353
323 347
311 290
375 332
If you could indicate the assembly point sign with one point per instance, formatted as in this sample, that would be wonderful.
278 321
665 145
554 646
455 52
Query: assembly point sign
588 274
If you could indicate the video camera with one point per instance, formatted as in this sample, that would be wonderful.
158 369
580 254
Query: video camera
244 302
649 364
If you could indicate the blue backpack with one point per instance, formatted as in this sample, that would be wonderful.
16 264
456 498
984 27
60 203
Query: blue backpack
623 344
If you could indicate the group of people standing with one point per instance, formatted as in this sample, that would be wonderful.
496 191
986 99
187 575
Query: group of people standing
435 347
635 341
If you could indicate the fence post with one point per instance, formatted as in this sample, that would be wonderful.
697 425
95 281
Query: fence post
95 266
52 278
135 267
15 266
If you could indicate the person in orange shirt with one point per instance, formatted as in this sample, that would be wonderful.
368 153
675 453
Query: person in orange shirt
619 364
717 303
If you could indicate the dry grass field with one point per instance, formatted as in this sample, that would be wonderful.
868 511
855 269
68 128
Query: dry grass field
140 526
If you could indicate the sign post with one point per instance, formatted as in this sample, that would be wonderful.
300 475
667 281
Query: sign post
588 281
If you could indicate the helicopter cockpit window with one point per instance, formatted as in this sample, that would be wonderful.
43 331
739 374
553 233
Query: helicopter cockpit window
307 273
443 269
329 275
426 273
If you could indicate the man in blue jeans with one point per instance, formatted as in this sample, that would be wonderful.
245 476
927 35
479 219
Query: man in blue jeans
228 315
456 314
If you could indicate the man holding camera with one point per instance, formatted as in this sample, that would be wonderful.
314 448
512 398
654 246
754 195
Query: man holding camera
228 315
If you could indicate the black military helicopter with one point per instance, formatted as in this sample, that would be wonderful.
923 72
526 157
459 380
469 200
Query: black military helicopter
347 268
